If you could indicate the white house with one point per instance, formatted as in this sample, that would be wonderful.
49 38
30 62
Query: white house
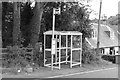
108 39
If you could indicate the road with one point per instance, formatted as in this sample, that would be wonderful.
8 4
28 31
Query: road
106 73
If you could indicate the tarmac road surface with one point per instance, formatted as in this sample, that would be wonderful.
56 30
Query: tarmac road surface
103 73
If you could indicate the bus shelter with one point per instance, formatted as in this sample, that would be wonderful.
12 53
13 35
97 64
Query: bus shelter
65 45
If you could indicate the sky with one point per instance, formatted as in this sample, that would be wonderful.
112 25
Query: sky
109 7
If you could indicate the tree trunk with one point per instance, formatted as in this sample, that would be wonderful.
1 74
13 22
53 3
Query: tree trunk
16 27
0 33
0 24
36 23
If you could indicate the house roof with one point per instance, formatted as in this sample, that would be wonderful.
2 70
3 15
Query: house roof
116 30
105 40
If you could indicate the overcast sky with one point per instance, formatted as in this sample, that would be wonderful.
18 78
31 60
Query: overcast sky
109 7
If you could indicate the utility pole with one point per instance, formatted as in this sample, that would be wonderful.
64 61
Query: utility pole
99 22
1 35
55 11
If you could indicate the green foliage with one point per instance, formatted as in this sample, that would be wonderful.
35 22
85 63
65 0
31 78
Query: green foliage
20 57
114 20
73 17
89 55
7 23
16 57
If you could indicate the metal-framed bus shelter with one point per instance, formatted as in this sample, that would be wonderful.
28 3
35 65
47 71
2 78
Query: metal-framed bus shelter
69 38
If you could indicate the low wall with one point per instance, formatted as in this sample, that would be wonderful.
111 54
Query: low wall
110 58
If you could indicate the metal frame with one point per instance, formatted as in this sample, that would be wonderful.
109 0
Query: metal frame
57 56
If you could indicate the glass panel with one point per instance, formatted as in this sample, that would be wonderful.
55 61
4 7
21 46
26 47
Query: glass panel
76 41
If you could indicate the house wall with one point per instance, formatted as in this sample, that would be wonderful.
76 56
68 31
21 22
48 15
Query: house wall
106 51
116 50
102 50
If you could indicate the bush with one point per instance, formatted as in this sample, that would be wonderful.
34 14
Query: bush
16 57
90 56
21 57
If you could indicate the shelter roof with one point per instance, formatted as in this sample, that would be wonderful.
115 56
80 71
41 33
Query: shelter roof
63 33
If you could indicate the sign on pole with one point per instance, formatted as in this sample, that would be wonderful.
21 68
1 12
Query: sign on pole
40 47
57 11
53 46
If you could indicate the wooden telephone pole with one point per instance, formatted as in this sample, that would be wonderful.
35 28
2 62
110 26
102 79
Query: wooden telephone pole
99 22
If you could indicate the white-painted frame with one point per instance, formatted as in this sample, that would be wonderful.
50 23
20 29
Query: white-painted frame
57 56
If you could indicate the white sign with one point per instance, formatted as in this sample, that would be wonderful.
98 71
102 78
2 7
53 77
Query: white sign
40 46
57 11
53 46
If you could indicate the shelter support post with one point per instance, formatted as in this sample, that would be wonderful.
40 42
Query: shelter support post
56 50
71 53
59 51
66 49
81 52
52 61
44 48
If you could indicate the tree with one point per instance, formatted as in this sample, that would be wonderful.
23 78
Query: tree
114 20
0 24
35 22
73 17
26 16
16 28
38 13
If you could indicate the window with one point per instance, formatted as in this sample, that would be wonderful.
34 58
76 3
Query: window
94 35
110 34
